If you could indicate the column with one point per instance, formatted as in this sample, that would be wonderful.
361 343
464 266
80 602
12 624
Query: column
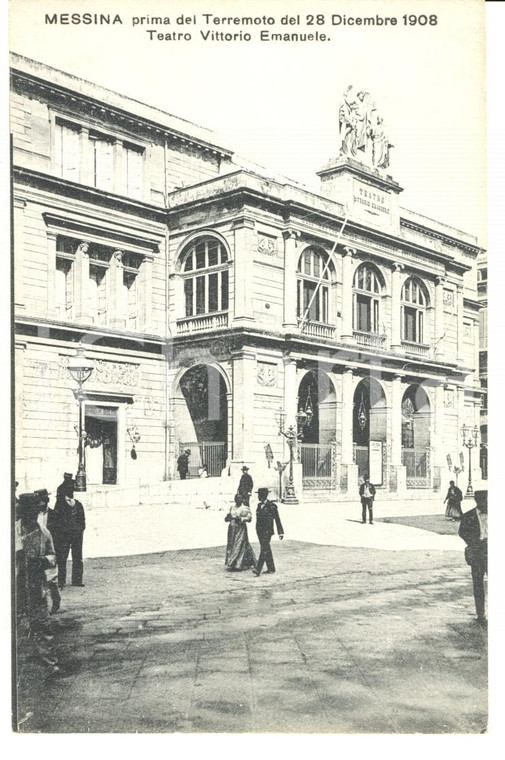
51 274
244 269
347 299
116 300
290 281
244 382
349 469
81 282
397 465
396 307
20 473
18 250
439 319
290 391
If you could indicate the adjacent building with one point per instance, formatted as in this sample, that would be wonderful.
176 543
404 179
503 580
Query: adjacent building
216 302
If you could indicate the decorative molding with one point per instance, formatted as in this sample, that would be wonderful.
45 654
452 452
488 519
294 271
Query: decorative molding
267 374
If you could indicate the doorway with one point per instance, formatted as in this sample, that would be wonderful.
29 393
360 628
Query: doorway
101 444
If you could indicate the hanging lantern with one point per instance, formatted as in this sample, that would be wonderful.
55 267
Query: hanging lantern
362 418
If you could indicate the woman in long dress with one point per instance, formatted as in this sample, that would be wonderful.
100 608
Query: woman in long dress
454 498
239 553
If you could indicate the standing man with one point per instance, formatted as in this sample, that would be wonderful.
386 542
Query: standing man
183 464
473 531
34 555
367 495
71 522
245 486
51 572
64 488
266 514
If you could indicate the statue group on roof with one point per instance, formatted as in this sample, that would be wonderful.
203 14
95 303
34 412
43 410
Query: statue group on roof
361 129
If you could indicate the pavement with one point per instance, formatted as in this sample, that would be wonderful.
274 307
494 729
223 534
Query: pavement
364 629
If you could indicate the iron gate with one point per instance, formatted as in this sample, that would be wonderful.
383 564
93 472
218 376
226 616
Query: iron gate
318 466
211 453
417 465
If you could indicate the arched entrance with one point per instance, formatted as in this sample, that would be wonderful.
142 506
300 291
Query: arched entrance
317 449
416 437
370 430
201 419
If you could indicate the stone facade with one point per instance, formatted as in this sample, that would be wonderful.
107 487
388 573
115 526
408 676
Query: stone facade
210 297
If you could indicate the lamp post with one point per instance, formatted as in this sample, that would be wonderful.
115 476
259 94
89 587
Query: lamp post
470 436
80 369
456 469
292 436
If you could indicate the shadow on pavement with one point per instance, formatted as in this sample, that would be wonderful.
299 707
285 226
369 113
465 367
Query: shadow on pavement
434 523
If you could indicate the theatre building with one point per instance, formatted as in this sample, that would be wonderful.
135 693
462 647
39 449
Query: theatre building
215 303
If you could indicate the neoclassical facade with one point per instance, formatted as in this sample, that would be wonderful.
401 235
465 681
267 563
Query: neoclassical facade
215 301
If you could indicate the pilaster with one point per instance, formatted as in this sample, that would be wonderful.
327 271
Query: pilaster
396 307
244 381
18 248
439 319
290 281
52 238
244 269
347 299
116 304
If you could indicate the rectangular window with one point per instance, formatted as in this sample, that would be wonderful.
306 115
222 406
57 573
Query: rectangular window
188 296
67 151
103 163
308 292
97 294
363 313
409 324
224 290
324 305
130 299
200 295
213 292
132 171
63 294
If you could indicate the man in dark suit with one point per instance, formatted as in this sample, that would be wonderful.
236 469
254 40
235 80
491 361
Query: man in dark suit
183 464
70 526
367 495
266 515
245 486
473 531
64 489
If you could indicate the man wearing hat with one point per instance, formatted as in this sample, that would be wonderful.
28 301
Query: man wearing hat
245 486
266 515
64 489
34 555
473 530
51 572
183 464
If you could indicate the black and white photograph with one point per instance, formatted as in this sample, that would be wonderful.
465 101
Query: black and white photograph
249 485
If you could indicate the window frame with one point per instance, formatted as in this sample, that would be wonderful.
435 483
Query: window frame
414 302
199 275
308 277
367 288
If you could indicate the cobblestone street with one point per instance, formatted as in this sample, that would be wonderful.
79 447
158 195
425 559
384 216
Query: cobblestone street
340 639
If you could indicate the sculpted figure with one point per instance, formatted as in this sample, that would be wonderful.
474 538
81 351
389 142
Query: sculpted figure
347 123
364 107
380 143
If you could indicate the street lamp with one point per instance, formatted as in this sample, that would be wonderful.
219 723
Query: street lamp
470 436
292 436
80 369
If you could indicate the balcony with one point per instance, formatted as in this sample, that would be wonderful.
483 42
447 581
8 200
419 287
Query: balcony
369 340
416 349
317 330
202 322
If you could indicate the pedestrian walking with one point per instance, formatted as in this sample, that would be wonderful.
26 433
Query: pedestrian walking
69 531
367 495
183 464
34 555
454 498
473 530
245 486
51 573
266 515
239 552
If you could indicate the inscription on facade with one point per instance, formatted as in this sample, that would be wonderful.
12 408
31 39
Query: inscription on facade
267 374
376 202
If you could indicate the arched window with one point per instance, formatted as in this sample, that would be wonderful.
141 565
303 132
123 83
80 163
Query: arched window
204 268
314 281
367 286
414 302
